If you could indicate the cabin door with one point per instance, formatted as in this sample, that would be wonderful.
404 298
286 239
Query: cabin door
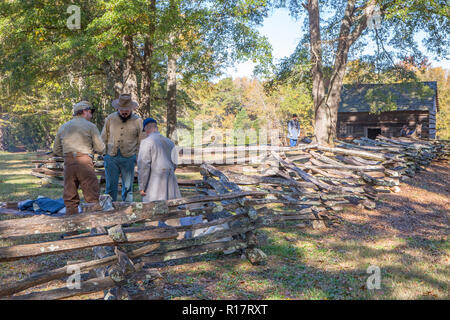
373 132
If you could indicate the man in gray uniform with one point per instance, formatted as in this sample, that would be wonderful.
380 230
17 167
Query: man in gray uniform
156 170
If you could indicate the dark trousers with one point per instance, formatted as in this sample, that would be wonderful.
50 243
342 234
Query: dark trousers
79 172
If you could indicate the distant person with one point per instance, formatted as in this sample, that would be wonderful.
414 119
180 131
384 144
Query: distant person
293 130
76 141
404 131
416 132
156 169
122 134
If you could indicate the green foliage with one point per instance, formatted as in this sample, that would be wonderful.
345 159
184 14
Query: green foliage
46 67
242 121
295 99
341 34
408 17
443 80
242 104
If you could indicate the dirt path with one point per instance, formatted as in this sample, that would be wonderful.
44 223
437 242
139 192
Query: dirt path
420 209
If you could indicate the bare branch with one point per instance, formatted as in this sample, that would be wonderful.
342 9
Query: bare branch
305 6
358 30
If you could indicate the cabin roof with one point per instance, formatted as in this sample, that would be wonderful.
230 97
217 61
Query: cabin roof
411 96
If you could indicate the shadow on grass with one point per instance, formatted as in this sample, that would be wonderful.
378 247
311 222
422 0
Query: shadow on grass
17 165
287 280
407 217
22 191
290 272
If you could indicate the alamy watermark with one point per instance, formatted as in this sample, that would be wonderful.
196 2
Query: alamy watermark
74 280
74 20
374 281
374 13
225 146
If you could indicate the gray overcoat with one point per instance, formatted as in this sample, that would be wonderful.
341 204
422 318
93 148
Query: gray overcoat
156 170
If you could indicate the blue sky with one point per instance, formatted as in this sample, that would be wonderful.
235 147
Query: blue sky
284 33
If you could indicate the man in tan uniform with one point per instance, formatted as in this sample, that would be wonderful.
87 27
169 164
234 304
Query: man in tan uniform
121 134
156 169
77 140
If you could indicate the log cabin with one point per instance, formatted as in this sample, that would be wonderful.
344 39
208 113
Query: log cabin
367 110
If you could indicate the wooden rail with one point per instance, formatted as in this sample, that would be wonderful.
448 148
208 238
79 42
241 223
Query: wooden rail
312 186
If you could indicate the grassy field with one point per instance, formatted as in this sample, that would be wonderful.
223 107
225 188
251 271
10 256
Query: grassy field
406 236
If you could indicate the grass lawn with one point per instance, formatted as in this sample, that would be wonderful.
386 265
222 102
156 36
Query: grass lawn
17 183
406 237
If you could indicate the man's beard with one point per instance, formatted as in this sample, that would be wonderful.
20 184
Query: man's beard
124 119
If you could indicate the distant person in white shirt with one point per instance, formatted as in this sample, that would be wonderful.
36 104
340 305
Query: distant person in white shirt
293 130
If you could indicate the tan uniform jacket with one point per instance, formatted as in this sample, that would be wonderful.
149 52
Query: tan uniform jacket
125 136
78 135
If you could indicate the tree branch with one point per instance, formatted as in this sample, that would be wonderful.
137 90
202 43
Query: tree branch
305 6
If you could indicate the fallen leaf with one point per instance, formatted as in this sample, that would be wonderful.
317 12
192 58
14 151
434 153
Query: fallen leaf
430 293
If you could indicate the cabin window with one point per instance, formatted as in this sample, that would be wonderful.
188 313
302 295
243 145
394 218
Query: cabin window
345 130
349 131
342 129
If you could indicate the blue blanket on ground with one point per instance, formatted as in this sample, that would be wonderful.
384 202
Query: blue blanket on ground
43 205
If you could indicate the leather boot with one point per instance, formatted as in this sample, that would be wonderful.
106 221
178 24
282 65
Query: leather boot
95 206
71 210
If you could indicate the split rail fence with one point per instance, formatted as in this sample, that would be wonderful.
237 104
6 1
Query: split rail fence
308 183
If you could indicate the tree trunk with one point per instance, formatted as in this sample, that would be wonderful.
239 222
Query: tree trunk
146 81
4 125
2 143
113 71
322 124
171 95
317 69
146 70
129 74
326 104
172 76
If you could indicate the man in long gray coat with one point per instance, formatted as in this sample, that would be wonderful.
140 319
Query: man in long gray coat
156 170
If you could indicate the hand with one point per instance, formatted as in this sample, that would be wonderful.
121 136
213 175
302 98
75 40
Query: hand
142 192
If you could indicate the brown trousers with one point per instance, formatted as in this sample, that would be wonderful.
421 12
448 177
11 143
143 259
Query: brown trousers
79 172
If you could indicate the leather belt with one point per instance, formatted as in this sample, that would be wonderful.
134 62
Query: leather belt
79 154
